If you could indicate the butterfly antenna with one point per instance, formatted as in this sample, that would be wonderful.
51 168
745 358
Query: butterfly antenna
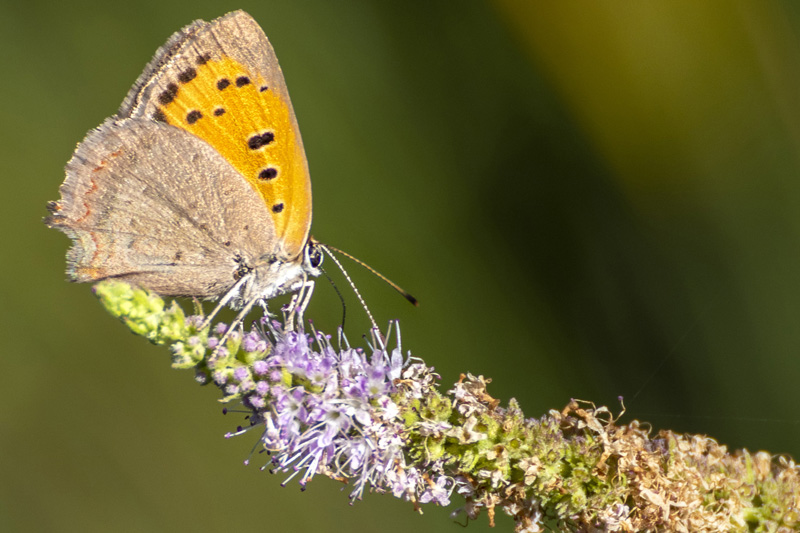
338 293
350 281
391 283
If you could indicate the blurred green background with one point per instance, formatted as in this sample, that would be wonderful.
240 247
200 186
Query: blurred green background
589 199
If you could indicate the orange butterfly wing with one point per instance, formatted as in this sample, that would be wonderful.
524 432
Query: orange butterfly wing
221 82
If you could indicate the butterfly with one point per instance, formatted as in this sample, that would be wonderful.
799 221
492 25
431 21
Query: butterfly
199 185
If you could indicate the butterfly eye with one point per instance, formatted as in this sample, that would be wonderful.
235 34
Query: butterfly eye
313 255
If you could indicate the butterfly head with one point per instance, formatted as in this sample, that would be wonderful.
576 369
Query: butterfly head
312 257
273 276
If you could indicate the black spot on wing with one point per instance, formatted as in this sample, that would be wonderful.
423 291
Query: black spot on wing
193 116
257 141
168 95
159 116
268 174
187 75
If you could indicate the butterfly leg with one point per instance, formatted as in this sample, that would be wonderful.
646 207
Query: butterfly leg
297 306
223 302
265 308
288 313
238 323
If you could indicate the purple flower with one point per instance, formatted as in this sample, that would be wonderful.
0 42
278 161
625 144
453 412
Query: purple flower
333 412
438 492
